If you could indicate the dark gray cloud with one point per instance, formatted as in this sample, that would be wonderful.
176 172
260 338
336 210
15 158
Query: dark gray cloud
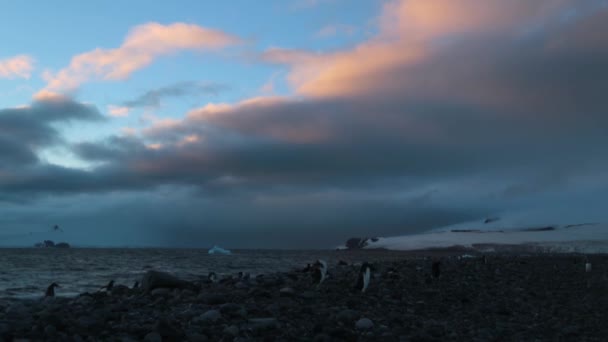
153 98
25 130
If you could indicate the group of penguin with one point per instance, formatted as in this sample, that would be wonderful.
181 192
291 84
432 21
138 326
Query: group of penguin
319 274
318 269
50 290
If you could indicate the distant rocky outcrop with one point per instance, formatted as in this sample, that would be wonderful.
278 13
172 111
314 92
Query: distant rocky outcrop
359 243
52 244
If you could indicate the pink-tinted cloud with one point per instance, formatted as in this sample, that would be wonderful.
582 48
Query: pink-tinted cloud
118 111
140 48
16 67
410 32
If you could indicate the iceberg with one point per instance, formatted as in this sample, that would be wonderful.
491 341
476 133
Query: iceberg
219 250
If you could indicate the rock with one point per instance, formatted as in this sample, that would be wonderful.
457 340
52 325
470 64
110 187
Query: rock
167 330
153 337
155 279
196 337
364 324
212 299
161 291
232 330
240 285
50 330
356 243
230 308
211 316
84 300
257 324
287 292
119 290
347 316
308 294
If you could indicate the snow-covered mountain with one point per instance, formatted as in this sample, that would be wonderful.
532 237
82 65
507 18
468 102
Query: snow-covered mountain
496 234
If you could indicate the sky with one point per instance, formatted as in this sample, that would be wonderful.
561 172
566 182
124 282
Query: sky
297 123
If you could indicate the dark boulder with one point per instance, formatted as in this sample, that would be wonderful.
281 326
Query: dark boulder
155 279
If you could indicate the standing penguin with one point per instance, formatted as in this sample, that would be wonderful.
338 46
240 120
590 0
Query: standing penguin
136 285
364 277
319 272
108 287
50 291
436 271
212 277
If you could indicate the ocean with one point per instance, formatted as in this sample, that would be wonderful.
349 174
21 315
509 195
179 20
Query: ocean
26 272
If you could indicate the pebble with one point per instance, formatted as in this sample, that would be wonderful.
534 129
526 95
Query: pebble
364 324
211 315
153 337
232 330
50 330
287 292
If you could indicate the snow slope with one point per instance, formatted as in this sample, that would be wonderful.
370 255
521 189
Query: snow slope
587 237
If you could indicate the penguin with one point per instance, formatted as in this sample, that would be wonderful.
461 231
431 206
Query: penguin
436 271
587 267
319 270
364 277
484 259
108 287
136 285
50 291
212 277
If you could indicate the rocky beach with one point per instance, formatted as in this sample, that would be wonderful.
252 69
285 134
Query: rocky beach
496 298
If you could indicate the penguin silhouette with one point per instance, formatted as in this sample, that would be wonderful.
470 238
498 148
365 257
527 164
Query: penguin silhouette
436 269
319 272
364 277
108 287
50 291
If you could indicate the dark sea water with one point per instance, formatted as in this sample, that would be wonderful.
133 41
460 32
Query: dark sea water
26 272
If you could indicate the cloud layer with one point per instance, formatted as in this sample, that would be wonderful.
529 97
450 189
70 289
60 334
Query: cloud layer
455 109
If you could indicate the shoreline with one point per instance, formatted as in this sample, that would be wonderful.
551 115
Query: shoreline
512 297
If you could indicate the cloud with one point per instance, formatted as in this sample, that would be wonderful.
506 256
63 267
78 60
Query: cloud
152 98
334 30
16 67
118 111
141 47
26 130
487 113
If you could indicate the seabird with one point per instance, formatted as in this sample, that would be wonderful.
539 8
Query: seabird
364 277
136 285
319 271
50 291
212 277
